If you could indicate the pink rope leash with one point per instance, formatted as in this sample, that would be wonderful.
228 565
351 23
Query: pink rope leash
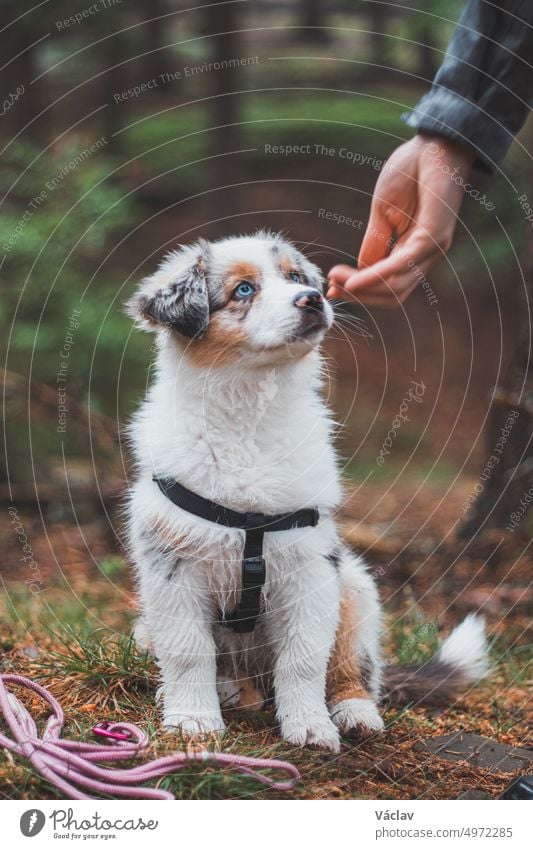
70 765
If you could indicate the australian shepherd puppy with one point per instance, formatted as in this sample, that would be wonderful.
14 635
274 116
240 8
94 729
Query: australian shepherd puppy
235 414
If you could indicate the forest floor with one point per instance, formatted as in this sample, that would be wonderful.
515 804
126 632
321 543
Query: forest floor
73 638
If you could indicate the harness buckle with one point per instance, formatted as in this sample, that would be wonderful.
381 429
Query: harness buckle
253 572
244 617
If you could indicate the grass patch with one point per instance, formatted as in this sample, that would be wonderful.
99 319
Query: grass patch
100 660
414 639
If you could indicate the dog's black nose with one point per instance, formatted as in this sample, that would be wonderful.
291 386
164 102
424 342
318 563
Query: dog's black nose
310 300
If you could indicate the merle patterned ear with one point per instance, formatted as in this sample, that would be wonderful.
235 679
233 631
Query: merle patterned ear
181 304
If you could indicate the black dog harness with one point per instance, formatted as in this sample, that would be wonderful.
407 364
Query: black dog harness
255 525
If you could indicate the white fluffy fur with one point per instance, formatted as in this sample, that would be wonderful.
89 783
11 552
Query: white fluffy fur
466 648
252 434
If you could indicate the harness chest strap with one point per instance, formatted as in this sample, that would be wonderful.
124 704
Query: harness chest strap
254 525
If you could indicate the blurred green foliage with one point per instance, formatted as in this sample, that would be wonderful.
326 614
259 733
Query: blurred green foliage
73 235
62 211
177 138
55 223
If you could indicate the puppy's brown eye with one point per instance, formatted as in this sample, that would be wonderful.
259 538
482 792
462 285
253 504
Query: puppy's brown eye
244 291
295 277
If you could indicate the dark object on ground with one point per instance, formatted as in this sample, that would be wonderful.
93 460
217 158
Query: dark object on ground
478 751
521 788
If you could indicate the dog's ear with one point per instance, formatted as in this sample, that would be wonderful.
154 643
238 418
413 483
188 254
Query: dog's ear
176 296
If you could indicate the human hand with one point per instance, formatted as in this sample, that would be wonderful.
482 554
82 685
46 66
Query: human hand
412 220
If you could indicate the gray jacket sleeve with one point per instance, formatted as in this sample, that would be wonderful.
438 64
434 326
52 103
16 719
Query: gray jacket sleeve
483 90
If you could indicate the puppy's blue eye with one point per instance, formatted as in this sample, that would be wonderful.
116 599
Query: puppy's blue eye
294 276
244 290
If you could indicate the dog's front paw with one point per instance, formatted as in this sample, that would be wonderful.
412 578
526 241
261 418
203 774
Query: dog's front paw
357 717
311 731
194 724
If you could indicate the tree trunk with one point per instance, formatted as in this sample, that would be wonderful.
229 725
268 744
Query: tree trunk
113 52
156 59
312 16
21 95
225 43
426 54
508 468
